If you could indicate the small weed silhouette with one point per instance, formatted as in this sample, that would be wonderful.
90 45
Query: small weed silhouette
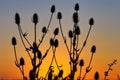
106 73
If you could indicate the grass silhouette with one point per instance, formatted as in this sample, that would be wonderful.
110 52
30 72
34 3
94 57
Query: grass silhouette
73 50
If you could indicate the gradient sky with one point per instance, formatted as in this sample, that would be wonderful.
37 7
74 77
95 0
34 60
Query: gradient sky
105 33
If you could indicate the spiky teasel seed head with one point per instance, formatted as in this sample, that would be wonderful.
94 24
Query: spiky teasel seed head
56 43
22 62
70 34
81 63
39 54
35 18
59 15
96 76
56 31
76 6
14 41
44 30
75 17
17 18
93 49
77 30
60 73
51 42
91 21
53 9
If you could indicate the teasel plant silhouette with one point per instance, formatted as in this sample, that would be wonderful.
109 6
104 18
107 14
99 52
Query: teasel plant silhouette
37 57
106 73
73 50
33 50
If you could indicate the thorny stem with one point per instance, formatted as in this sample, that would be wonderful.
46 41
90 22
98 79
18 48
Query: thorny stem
85 40
46 30
20 31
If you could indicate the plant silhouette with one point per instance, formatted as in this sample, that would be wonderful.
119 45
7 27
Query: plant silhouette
106 73
73 50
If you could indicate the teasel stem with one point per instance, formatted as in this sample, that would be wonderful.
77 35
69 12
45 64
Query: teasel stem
80 72
84 76
20 31
24 36
85 40
35 32
63 36
70 45
23 71
88 67
51 62
16 62
15 54
77 43
70 52
38 69
52 58
91 60
46 30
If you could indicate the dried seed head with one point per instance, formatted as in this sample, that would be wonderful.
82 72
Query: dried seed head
22 61
60 73
77 30
44 30
56 43
76 6
53 9
70 34
39 54
14 41
91 21
93 49
50 75
96 76
56 78
17 18
31 75
51 42
81 63
75 17
59 15
35 18
35 48
56 31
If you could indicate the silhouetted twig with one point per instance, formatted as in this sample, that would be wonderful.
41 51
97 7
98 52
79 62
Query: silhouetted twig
109 69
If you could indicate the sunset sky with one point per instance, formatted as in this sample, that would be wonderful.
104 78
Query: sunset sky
105 34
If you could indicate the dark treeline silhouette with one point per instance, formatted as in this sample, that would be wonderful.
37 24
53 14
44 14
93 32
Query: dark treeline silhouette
74 52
